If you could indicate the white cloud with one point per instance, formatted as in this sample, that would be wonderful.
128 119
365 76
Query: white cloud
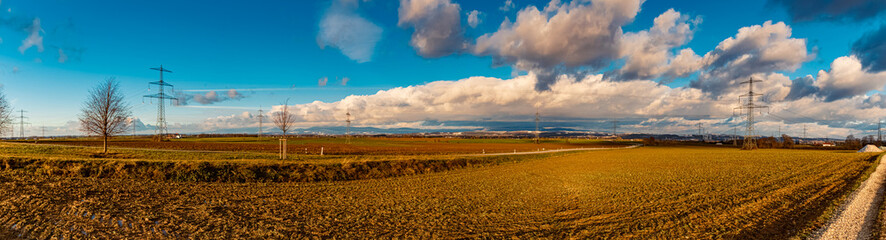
322 82
62 57
508 5
661 109
478 97
437 26
341 27
233 94
846 78
34 38
758 49
575 34
344 81
210 97
474 18
648 52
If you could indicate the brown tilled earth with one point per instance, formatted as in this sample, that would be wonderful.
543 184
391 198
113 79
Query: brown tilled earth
642 193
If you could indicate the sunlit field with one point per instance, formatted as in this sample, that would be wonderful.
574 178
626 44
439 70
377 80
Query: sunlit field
648 192
354 146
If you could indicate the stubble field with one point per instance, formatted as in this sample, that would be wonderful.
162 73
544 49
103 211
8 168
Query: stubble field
650 192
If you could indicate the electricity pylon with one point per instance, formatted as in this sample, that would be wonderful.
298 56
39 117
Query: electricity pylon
261 116
161 107
750 107
537 119
348 129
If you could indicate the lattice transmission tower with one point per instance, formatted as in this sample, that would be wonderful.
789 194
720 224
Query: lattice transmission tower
161 96
749 108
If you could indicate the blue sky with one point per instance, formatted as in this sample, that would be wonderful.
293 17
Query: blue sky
256 46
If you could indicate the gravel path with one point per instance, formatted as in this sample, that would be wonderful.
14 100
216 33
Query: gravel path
858 216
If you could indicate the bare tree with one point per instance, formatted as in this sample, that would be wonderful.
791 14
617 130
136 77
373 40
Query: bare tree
5 115
105 112
284 119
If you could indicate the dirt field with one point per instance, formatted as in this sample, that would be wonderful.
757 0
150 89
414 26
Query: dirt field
638 193
358 146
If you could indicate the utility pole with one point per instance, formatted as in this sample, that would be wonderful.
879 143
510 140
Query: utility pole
750 107
43 128
348 129
261 116
161 96
537 119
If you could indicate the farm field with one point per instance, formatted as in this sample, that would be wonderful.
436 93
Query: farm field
358 146
649 192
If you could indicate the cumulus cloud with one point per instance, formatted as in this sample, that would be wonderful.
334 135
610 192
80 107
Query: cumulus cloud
483 97
561 36
757 49
877 100
342 28
830 10
802 87
644 105
34 38
847 78
508 5
322 82
233 94
210 97
871 49
648 52
437 26
473 18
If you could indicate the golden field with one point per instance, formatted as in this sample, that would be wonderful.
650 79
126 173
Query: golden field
648 192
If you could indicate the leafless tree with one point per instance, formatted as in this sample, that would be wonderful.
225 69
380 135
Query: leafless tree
104 113
5 115
284 119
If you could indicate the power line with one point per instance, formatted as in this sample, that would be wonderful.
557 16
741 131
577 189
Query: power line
161 96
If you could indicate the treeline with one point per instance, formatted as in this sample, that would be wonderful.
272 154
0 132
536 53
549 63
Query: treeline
855 143
784 141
